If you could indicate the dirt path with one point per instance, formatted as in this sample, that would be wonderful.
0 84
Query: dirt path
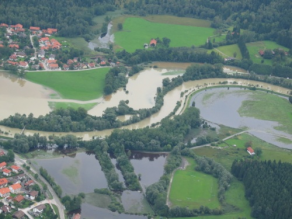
183 166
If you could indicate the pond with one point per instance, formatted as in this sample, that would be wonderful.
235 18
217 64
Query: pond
81 173
221 106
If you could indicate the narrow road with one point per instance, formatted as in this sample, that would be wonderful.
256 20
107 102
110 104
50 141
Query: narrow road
55 199
31 40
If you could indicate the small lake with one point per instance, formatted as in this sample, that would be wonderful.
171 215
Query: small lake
81 173
220 105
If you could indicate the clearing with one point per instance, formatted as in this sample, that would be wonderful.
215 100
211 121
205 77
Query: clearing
255 47
137 31
193 189
78 85
229 51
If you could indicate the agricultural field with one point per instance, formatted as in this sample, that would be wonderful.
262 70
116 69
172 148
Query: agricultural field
137 31
193 189
229 51
255 47
77 85
269 107
65 105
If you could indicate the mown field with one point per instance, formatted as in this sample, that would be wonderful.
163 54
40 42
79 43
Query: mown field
193 189
78 85
254 47
228 51
269 107
137 31
65 105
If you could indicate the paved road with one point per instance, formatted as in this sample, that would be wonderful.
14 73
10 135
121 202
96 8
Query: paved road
55 199
31 40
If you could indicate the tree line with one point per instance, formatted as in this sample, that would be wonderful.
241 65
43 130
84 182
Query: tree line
267 187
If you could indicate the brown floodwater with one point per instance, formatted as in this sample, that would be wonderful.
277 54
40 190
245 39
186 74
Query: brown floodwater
142 89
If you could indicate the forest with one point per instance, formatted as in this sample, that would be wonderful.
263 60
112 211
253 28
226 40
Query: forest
267 187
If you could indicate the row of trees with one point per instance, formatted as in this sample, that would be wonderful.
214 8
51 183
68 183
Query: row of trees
115 79
267 187
51 181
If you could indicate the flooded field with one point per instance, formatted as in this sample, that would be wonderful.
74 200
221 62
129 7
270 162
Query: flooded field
80 173
221 106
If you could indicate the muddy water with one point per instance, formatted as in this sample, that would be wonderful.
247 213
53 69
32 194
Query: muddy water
169 101
81 173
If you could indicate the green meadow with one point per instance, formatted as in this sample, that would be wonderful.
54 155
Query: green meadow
64 105
78 85
229 51
193 189
255 47
137 31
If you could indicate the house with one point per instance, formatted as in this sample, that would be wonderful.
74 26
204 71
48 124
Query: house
18 26
6 172
19 198
33 195
29 183
102 63
52 57
15 168
12 63
3 25
6 209
153 42
2 165
91 65
22 35
52 30
261 52
2 153
39 209
18 215
21 176
3 182
41 53
44 39
250 151
15 188
14 180
34 28
20 54
23 64
75 59
1 46
14 46
53 66
4 192
13 57
70 61
66 67
76 216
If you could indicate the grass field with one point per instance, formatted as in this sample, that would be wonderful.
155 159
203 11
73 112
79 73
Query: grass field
137 31
269 107
254 47
228 51
79 85
97 200
65 105
72 172
193 189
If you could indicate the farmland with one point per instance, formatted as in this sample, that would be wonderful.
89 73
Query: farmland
137 31
255 47
78 85
193 189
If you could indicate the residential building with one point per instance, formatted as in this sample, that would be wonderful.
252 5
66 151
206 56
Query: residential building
19 215
13 57
19 198
39 209
15 188
14 46
34 28
4 192
33 195
41 53
66 67
76 216
3 25
15 168
29 183
91 65
2 165
53 66
6 209
250 151
21 176
23 64
52 57
3 182
6 172
153 42
20 54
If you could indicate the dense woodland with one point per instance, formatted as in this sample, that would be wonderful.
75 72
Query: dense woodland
267 187
71 17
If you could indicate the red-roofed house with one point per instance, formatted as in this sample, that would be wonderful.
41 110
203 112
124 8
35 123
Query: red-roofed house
1 46
2 153
261 52
153 42
52 30
11 63
3 25
2 165
15 46
250 151
70 61
15 188
44 39
6 172
53 66
103 63
3 182
18 26
66 67
13 57
15 168
19 198
91 65
33 195
23 64
34 28
4 192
